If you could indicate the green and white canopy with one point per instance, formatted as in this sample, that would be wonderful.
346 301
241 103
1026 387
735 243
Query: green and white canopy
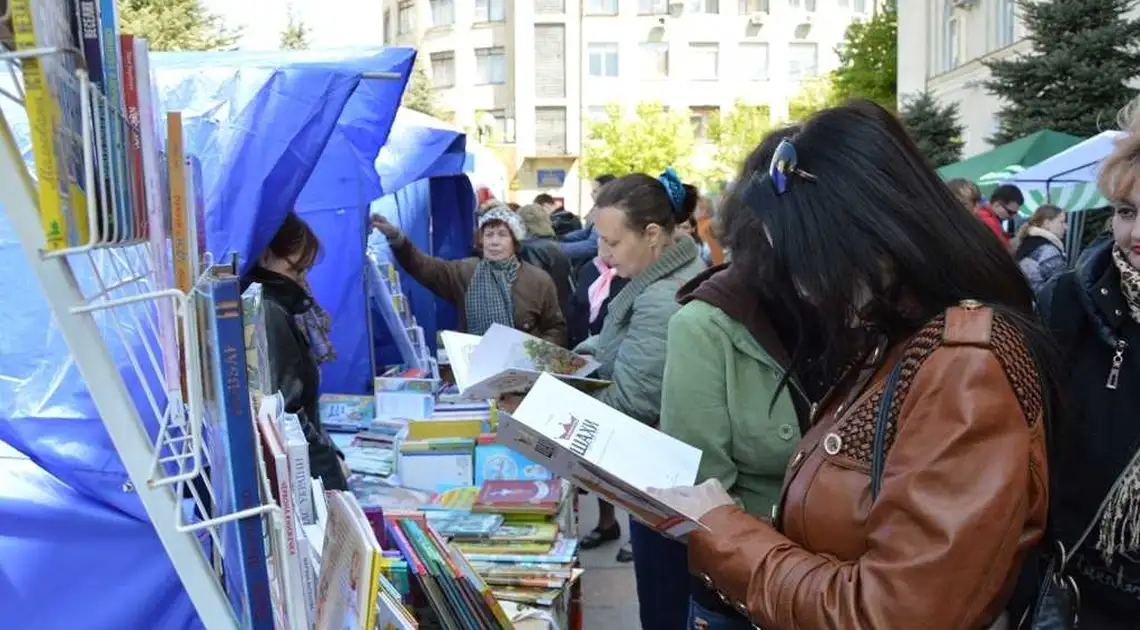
1072 197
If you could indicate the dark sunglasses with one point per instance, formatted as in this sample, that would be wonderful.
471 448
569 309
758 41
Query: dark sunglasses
785 163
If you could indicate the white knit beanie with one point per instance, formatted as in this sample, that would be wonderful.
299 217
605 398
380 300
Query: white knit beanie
505 215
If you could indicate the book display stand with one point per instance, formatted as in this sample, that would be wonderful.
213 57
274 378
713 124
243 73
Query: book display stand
105 289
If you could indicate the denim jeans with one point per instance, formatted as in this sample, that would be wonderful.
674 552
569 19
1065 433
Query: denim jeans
661 566
703 619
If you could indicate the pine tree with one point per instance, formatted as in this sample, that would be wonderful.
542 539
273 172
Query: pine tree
1084 52
934 127
176 25
868 59
296 34
419 94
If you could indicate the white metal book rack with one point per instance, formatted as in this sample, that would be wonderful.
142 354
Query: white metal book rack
108 295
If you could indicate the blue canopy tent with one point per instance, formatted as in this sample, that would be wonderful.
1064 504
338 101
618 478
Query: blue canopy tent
76 547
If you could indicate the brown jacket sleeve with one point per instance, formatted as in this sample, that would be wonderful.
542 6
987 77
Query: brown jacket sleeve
944 532
445 278
551 324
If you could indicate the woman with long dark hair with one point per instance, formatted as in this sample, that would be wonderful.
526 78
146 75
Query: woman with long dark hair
921 482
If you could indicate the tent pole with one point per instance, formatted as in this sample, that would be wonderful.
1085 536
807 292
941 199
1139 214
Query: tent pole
381 75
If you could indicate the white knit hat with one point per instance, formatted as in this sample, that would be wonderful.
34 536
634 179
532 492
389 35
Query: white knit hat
506 216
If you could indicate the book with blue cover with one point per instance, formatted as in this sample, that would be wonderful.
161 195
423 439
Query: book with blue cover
233 444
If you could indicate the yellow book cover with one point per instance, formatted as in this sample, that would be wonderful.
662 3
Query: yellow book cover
526 532
51 93
432 429
504 548
179 218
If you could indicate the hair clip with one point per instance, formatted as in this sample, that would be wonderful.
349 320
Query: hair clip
674 188
785 162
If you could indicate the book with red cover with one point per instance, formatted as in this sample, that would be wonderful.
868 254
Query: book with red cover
511 496
134 138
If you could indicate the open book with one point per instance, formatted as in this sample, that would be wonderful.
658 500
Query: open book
598 448
508 361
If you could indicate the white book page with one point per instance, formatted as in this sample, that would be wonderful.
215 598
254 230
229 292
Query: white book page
627 449
503 348
460 347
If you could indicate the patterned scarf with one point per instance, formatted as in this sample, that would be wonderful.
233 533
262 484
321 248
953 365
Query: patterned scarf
488 299
1129 281
599 289
315 324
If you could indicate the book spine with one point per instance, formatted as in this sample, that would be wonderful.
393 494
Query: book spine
242 445
134 137
43 120
90 35
179 214
113 131
196 214
296 583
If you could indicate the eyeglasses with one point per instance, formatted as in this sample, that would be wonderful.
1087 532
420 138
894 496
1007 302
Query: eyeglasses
784 163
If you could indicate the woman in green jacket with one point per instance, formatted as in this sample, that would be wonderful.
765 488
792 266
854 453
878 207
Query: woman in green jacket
635 219
725 393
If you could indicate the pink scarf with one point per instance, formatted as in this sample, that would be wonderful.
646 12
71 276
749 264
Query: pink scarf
600 289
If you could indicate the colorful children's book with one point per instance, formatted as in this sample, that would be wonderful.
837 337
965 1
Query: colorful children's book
52 100
507 496
116 136
100 199
134 137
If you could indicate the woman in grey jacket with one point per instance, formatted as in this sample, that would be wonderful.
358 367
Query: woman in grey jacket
635 220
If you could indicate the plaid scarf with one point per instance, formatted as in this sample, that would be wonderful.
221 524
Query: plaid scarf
315 324
488 299
1129 281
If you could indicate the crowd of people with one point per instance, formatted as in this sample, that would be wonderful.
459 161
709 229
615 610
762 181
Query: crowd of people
914 411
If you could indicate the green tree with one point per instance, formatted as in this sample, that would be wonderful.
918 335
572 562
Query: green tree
868 59
1074 79
648 142
176 25
419 94
815 93
935 128
735 133
296 34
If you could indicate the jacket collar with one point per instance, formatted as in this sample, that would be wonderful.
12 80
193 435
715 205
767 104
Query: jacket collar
284 290
673 258
1100 292
723 287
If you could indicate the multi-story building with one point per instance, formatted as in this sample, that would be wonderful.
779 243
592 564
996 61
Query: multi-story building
943 45
528 75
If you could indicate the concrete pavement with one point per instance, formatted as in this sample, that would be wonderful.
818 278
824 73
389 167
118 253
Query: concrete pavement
609 593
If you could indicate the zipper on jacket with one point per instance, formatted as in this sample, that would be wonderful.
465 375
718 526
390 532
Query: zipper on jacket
1117 362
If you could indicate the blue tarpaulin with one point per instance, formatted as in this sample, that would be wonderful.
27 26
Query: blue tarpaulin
292 130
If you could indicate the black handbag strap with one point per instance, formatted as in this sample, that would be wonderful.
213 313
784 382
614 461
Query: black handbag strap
882 419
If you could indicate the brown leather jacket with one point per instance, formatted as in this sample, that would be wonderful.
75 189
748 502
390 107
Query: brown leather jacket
963 495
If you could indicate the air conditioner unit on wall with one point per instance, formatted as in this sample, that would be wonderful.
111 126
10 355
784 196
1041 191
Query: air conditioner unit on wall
758 19
965 4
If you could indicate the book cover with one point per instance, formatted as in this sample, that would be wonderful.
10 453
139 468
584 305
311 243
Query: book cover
240 443
464 525
99 199
116 136
135 174
52 100
526 532
564 551
602 450
290 566
504 495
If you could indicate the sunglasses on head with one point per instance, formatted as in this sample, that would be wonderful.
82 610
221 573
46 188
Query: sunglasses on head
785 163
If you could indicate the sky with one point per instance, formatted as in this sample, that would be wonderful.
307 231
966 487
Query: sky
331 23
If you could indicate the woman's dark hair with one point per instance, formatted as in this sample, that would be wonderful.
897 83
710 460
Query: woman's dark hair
604 179
876 220
645 201
296 242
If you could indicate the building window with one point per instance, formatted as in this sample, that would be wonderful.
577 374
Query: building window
404 18
550 7
700 117
601 7
655 60
803 60
708 7
1006 20
754 61
704 61
443 69
653 7
802 5
490 66
387 26
550 130
491 126
597 114
951 38
748 7
859 6
549 60
490 11
442 12
843 4
603 60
